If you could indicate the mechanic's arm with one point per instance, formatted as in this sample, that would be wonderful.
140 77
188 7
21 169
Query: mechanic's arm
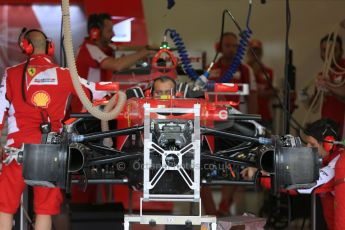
4 106
118 64
324 182
248 173
337 91
326 175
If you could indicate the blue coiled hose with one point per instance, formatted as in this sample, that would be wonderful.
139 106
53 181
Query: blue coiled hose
182 51
245 36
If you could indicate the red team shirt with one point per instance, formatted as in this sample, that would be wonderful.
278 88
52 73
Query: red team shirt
89 60
47 88
332 107
244 75
339 189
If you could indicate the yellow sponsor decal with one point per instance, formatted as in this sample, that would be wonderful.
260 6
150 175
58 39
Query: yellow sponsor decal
41 99
165 97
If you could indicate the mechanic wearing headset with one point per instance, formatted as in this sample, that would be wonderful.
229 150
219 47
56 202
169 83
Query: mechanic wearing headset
95 61
319 135
228 47
33 98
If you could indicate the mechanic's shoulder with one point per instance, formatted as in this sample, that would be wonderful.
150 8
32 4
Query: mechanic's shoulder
14 70
16 67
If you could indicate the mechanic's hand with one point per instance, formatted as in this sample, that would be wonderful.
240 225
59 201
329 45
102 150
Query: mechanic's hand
248 173
321 81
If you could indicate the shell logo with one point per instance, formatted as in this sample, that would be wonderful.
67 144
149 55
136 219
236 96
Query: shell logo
40 99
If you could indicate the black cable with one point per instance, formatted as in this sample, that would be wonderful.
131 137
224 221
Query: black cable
23 79
222 29
104 149
222 32
268 80
111 133
281 104
225 159
234 150
287 91
111 159
275 94
260 140
220 38
287 65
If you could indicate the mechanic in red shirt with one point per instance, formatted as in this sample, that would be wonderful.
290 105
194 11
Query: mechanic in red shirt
264 91
333 106
32 93
332 156
95 60
244 74
339 190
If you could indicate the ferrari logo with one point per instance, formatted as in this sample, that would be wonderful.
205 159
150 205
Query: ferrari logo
31 71
41 99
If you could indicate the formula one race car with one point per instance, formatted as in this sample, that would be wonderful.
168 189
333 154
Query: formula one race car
168 147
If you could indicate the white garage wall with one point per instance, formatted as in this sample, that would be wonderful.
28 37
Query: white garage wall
199 23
